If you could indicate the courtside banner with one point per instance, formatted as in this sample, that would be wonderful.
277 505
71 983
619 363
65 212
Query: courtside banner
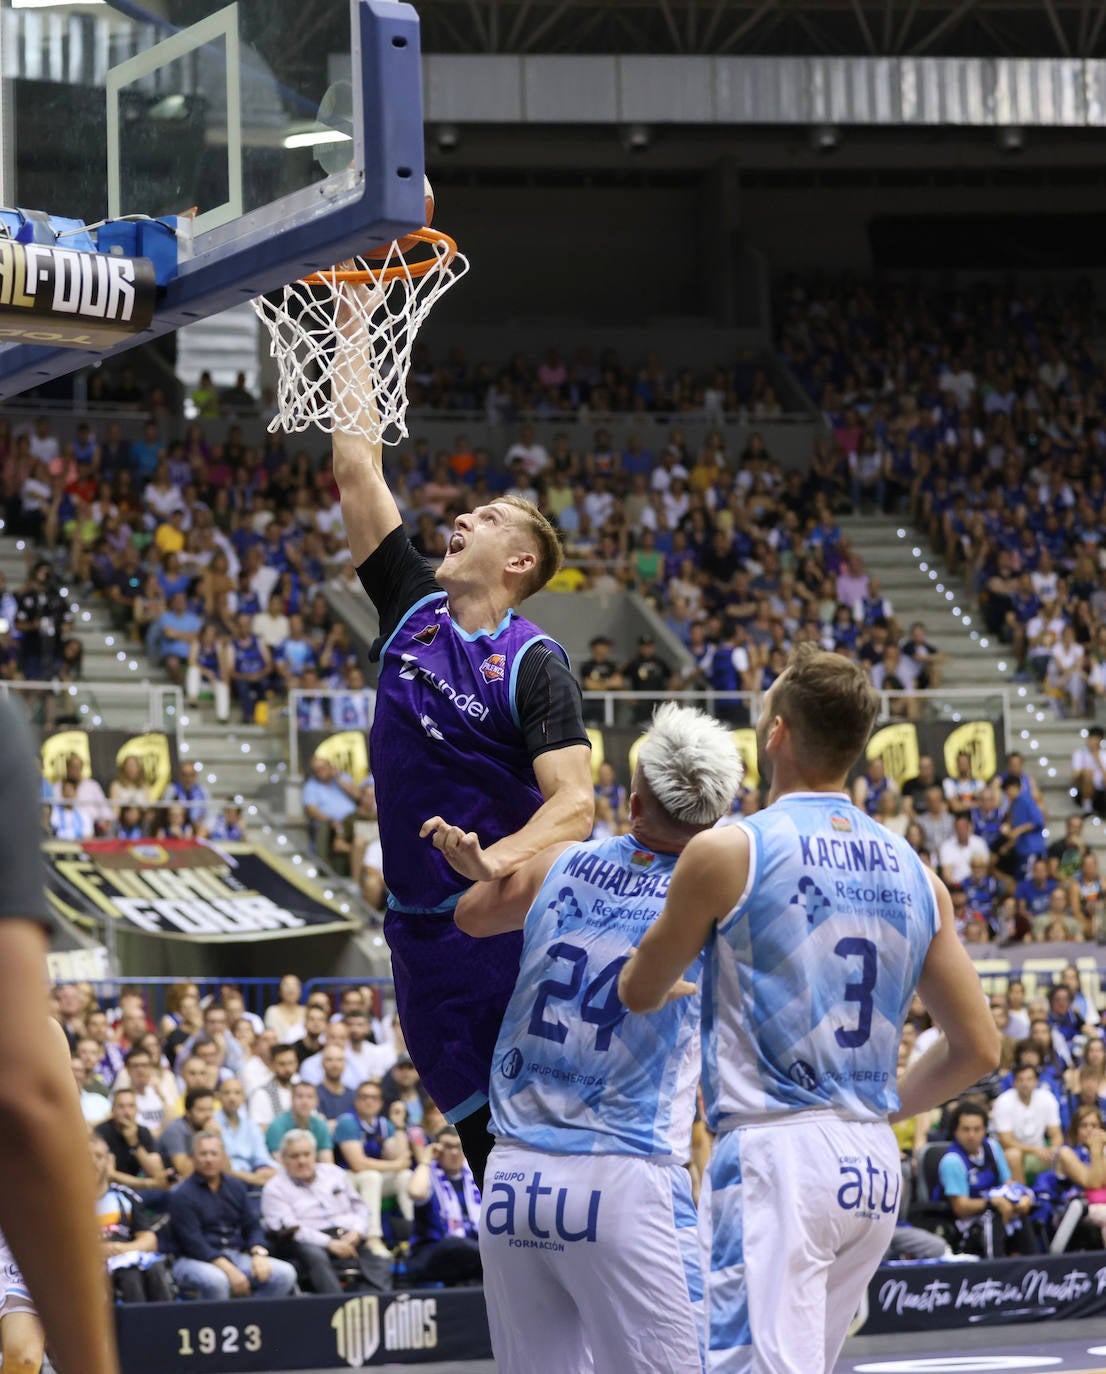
922 1297
187 889
70 297
306 1332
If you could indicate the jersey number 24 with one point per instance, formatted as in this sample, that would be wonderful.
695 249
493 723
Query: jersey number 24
600 1006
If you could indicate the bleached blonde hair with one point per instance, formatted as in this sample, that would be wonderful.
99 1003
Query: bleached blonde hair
691 764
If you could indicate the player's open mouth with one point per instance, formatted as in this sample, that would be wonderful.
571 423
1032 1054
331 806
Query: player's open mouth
456 542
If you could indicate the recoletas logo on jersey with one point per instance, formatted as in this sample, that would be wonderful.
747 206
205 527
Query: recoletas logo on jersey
493 667
840 823
427 636
812 900
511 1064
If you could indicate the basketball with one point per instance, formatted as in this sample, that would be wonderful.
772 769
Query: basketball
408 242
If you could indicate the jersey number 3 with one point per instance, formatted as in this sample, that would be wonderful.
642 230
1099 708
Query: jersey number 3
860 992
600 1006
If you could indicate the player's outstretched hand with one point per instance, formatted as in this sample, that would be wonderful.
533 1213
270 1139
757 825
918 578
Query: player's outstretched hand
461 849
681 988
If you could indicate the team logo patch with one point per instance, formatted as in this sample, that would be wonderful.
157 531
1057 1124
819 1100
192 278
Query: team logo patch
802 1075
811 900
427 636
641 858
493 668
840 823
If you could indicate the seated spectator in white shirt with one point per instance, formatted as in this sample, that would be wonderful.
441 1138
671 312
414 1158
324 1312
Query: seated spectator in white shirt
286 1015
328 1226
957 852
1088 768
154 1110
272 627
1026 1119
363 1055
274 1097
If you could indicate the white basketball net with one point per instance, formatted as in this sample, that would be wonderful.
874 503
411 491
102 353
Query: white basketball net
343 349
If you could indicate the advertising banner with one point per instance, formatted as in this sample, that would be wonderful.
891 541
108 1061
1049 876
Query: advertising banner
921 1297
187 889
361 1331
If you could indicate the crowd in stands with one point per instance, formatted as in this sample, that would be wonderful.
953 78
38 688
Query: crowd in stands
982 412
1017 1164
240 1153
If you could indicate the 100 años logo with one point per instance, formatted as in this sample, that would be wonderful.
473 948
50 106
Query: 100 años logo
409 1324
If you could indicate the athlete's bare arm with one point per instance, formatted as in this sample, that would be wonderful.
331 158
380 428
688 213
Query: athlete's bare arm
494 908
969 1046
707 882
369 510
47 1209
566 814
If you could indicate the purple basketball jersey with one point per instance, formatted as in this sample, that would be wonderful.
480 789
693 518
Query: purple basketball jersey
446 741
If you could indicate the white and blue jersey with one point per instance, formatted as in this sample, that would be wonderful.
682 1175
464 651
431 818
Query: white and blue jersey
808 980
572 1072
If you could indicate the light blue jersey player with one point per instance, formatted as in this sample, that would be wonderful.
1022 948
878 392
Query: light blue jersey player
809 978
588 1225
818 925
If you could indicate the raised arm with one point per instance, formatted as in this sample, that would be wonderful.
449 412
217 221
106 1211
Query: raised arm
970 1045
369 510
493 908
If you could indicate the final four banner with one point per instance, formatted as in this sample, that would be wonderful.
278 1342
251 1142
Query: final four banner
186 889
922 1297
360 1332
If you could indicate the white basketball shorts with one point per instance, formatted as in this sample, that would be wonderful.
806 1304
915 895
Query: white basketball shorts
14 1293
590 1264
794 1219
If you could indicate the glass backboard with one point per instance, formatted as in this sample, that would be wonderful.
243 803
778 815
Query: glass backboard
292 128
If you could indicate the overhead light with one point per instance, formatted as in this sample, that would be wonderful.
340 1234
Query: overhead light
637 138
824 138
316 138
449 137
1011 139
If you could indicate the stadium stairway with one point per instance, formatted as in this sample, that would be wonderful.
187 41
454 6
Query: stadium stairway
916 582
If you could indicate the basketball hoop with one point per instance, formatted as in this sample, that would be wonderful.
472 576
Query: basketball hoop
342 338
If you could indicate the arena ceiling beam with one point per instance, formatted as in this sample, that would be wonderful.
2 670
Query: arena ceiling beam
871 28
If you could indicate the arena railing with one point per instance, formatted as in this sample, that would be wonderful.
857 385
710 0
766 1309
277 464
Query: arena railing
626 708
954 706
88 705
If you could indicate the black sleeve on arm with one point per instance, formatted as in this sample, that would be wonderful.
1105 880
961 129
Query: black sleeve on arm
395 575
22 876
548 701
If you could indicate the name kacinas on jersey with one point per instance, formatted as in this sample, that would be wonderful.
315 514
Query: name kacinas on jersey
854 856
613 877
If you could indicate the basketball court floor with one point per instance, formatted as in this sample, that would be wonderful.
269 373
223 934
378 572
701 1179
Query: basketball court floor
1075 1347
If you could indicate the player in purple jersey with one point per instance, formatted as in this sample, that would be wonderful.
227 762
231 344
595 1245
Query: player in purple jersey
480 756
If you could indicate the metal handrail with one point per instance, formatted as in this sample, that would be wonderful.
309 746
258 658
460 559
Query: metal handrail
165 703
